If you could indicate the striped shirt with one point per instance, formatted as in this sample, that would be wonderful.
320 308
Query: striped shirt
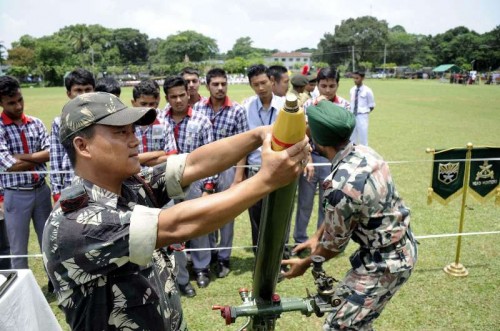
59 160
193 131
13 141
155 137
231 119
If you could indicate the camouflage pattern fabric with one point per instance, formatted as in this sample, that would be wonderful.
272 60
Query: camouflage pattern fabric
362 204
86 254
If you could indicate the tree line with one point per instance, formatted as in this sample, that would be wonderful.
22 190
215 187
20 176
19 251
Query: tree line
363 42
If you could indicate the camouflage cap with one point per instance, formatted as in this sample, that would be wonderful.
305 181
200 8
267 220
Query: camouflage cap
100 108
312 78
299 80
329 123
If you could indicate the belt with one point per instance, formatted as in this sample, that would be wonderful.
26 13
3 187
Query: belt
26 188
392 247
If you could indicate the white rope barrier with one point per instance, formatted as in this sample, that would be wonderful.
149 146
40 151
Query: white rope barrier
432 236
257 166
249 166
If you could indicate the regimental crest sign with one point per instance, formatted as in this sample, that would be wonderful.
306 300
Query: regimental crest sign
485 172
448 172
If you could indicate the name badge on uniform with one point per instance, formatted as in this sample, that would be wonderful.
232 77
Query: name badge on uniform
192 127
157 136
222 132
157 131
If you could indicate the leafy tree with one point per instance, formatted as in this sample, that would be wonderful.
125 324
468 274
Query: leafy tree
241 48
366 34
365 65
236 65
153 46
401 46
50 59
79 37
489 56
160 69
305 50
415 66
187 44
25 41
20 72
22 56
318 65
389 65
397 29
132 45
342 68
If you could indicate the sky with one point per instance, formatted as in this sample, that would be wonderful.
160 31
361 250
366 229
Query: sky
285 25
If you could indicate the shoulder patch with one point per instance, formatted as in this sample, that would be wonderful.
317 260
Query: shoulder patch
73 198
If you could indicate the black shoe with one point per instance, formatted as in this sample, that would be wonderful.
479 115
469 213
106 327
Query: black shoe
222 269
50 287
202 278
214 258
187 290
189 260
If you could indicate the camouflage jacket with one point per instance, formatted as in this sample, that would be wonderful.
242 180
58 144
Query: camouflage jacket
99 252
361 202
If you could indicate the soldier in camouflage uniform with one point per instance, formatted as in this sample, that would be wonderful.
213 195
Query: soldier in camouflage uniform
105 244
361 203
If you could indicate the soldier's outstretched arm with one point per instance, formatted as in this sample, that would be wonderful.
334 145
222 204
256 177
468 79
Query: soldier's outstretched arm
219 155
193 218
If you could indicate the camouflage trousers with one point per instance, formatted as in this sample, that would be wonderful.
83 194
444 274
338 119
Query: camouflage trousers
362 299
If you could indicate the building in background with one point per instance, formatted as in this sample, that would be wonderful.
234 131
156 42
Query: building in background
292 60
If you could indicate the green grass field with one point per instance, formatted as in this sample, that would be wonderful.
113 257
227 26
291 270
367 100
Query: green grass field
410 116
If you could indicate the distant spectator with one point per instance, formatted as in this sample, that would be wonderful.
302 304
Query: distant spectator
228 119
192 77
24 147
191 130
262 109
362 104
280 79
156 143
78 82
109 85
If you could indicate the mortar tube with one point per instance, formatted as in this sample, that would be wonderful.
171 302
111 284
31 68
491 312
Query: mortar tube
277 209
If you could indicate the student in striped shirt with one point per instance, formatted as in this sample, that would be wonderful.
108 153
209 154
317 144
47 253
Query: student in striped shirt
228 118
191 130
78 82
24 147
156 143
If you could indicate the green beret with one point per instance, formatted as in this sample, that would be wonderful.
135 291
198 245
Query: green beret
299 80
329 123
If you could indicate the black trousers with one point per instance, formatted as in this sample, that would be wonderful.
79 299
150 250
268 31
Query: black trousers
4 245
